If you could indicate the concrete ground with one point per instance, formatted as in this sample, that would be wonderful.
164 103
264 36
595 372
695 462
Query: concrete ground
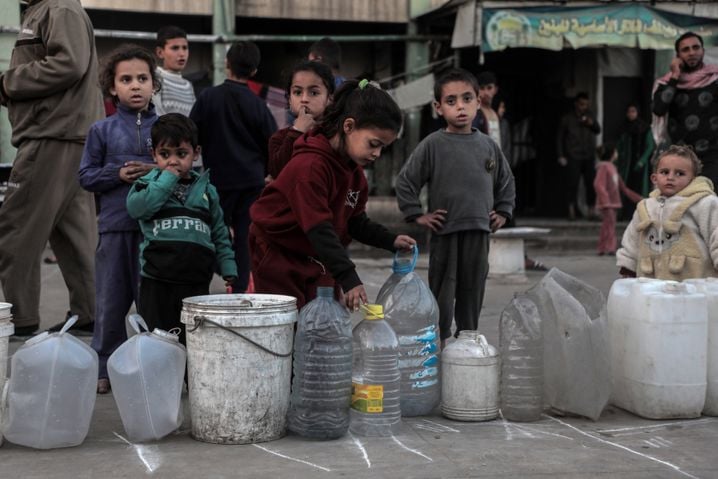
618 445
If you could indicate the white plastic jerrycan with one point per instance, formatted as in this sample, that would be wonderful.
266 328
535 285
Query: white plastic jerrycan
709 286
470 379
659 336
146 373
51 393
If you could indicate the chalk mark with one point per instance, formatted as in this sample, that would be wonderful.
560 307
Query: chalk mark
628 431
413 451
620 446
283 456
151 464
358 444
441 427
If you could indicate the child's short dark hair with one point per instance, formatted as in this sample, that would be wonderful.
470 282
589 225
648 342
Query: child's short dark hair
328 50
243 59
683 151
605 152
172 129
320 69
368 105
124 52
169 32
454 75
486 78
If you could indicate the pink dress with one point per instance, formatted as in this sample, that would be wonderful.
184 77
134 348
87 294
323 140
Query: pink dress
609 185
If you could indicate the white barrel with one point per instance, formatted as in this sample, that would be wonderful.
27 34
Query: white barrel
6 330
659 329
470 379
709 286
239 386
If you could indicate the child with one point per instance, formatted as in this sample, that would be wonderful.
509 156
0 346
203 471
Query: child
118 152
328 52
310 88
234 128
305 218
177 94
182 224
674 232
471 193
609 186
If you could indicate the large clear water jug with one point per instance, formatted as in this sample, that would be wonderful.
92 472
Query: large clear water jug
376 380
659 329
51 393
147 374
709 287
470 383
521 346
412 312
322 384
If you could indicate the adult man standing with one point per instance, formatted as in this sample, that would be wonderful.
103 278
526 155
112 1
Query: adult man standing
52 95
686 102
576 147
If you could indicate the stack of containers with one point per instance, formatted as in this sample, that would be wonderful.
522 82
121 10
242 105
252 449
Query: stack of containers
709 287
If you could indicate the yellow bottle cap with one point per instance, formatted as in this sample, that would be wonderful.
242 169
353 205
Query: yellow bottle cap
373 311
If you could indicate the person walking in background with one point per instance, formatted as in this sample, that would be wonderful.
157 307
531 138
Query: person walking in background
635 148
609 186
118 152
234 128
329 52
471 194
309 91
685 102
51 92
576 147
305 219
176 94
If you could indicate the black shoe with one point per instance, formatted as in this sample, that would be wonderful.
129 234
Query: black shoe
25 330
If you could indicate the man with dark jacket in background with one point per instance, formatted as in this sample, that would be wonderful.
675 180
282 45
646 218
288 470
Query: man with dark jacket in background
52 95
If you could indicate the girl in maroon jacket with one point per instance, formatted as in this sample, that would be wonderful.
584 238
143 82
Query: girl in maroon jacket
304 220
310 89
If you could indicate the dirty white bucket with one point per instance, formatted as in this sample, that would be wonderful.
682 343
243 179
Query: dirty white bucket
6 330
239 361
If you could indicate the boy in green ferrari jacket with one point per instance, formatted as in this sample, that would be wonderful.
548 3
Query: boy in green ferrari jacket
182 223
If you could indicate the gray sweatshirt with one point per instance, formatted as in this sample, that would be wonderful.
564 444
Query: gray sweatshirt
467 175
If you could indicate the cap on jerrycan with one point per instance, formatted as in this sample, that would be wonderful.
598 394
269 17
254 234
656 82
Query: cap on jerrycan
373 311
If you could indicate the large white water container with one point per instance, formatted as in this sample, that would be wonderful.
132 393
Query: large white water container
709 287
239 363
147 373
659 337
6 330
470 379
51 393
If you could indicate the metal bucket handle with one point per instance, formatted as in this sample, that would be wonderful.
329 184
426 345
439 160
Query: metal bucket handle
198 320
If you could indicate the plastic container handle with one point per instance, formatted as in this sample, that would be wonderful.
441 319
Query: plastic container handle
136 321
69 323
483 344
405 268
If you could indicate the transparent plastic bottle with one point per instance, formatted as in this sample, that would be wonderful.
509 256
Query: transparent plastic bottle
51 393
521 346
322 384
376 380
412 312
147 374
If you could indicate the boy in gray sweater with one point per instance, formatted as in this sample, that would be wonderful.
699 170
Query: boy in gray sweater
471 194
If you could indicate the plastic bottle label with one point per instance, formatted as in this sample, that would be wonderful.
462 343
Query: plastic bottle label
368 398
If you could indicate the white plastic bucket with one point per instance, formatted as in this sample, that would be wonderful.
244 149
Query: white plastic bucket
239 386
6 330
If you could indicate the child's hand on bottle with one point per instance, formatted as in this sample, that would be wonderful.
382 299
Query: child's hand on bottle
305 121
355 297
134 170
434 220
404 243
496 220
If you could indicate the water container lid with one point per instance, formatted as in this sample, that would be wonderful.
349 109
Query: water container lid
373 311
325 292
168 335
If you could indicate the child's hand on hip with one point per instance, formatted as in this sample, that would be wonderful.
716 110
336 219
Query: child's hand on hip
434 220
496 221
355 297
404 242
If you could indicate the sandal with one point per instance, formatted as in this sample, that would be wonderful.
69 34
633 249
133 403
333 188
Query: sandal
533 265
103 386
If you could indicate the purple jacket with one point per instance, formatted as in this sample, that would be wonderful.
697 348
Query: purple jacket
124 136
